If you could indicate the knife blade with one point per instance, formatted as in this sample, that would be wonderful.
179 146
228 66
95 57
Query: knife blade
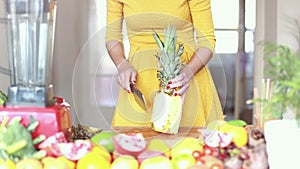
139 97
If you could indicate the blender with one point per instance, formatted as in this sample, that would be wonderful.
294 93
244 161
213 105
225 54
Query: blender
30 30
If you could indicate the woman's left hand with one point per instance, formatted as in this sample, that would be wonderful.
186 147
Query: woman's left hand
181 82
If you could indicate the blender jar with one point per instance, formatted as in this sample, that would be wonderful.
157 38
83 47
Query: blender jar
30 38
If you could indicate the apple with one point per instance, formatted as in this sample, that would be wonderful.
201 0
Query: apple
183 161
125 162
186 146
148 154
104 139
158 162
159 145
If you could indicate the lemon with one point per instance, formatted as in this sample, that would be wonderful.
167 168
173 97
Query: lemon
239 134
7 164
93 160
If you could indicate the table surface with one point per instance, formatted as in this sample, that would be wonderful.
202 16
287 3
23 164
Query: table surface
170 139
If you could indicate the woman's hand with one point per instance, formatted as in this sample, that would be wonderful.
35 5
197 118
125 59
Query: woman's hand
181 82
126 75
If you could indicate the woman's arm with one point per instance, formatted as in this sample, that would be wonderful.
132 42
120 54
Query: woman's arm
203 25
126 74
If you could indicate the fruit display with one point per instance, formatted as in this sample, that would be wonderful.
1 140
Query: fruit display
221 145
167 108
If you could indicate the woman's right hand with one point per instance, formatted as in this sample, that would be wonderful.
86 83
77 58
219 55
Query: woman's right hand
126 75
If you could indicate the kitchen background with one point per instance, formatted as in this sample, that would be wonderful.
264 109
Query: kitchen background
84 75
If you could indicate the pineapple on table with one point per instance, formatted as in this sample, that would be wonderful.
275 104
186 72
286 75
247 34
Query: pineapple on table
167 109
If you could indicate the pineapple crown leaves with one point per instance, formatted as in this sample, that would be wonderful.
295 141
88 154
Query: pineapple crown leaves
169 63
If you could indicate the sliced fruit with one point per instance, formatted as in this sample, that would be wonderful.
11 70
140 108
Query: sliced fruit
129 144
214 138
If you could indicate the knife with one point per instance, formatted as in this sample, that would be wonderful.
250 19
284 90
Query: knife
139 97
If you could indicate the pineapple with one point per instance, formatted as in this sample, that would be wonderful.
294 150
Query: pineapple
167 109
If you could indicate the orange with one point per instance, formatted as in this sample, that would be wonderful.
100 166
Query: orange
93 160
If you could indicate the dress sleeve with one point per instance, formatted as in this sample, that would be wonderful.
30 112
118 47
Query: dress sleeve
114 20
203 23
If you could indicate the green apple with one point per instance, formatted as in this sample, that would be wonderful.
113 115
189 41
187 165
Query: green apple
183 161
156 163
104 139
125 162
186 146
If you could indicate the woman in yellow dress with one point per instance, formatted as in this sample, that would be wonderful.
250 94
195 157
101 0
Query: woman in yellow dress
193 20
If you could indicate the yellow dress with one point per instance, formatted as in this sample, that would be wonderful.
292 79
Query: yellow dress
141 18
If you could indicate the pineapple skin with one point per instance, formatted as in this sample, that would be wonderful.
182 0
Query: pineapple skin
166 113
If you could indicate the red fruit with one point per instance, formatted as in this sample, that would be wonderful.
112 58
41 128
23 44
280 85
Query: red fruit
208 151
197 155
129 144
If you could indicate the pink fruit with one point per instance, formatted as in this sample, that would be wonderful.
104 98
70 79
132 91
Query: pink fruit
213 138
50 145
129 144
75 150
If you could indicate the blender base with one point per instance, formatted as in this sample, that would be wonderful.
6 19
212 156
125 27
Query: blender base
51 119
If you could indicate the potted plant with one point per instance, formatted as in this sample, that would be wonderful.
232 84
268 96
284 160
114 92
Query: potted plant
281 104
